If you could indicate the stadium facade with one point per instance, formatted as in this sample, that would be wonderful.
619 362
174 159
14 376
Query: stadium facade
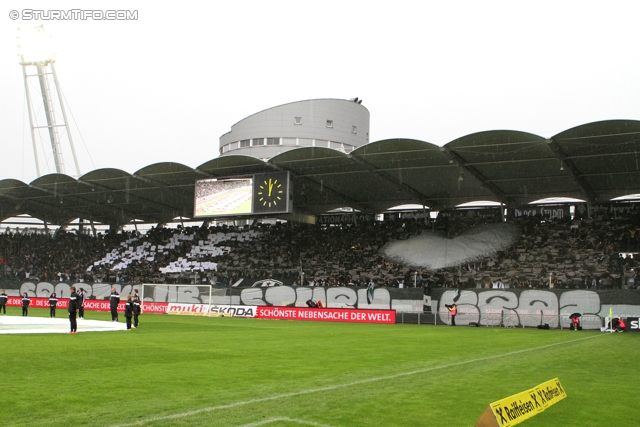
330 123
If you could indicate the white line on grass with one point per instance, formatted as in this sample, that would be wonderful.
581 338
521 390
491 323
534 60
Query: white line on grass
292 420
349 384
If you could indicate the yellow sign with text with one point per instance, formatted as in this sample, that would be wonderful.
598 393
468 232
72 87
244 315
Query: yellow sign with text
515 409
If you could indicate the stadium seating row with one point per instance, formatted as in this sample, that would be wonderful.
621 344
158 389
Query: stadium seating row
561 254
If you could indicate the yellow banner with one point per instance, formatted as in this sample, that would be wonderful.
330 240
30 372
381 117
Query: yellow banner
519 407
550 392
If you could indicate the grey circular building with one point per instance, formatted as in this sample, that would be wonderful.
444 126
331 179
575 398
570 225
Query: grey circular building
330 123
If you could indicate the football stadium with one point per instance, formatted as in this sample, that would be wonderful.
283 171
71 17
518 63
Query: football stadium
310 276
311 282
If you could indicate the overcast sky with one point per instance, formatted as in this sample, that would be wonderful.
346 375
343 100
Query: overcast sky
166 86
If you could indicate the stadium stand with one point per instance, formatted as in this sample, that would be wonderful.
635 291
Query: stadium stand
565 254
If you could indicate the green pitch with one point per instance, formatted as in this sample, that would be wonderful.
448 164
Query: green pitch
194 371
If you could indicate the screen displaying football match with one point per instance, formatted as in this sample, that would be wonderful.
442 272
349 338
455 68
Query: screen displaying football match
262 194
225 197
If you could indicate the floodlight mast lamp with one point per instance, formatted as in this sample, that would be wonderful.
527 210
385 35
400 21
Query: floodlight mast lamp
36 51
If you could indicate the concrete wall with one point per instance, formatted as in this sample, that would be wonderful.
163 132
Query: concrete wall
331 123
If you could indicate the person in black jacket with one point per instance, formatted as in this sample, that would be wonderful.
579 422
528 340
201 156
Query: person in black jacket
25 304
3 302
81 303
73 310
114 300
128 311
136 310
53 303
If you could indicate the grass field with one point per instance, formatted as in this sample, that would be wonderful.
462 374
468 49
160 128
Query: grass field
193 371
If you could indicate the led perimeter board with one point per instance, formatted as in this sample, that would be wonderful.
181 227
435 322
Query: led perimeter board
266 193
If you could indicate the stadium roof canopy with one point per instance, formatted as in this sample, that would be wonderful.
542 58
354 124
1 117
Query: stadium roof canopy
594 162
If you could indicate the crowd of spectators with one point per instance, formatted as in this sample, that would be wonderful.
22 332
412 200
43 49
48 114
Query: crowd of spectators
43 257
560 254
564 254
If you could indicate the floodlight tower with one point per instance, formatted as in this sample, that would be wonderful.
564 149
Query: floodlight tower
36 53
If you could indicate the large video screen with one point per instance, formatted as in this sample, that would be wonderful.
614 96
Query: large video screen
225 197
267 193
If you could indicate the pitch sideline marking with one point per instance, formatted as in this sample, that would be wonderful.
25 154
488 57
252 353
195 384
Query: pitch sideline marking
349 384
276 419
